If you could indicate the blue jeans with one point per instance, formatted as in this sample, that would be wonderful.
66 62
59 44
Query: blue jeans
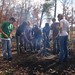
37 42
56 45
6 48
63 55
46 43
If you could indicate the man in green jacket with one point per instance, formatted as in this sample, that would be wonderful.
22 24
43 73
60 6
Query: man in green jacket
6 31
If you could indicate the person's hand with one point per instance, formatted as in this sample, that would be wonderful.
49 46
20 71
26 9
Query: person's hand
10 35
51 37
5 34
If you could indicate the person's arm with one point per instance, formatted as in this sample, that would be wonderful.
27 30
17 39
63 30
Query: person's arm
51 34
24 33
11 34
44 34
12 30
68 29
31 36
60 27
1 31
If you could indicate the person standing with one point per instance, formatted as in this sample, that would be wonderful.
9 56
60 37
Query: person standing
28 37
37 37
6 34
20 37
46 37
54 34
63 37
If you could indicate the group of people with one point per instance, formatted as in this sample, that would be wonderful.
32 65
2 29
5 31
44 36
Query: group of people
60 32
36 38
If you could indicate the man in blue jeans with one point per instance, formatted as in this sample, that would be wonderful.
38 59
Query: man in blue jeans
63 37
6 34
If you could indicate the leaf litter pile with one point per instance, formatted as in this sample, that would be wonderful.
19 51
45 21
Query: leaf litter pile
31 64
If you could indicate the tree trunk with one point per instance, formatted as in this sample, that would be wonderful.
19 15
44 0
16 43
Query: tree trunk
41 19
55 8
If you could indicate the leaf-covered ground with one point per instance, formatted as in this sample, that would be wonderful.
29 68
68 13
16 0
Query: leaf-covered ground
29 64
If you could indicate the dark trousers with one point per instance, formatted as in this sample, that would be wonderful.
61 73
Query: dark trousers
19 43
56 45
46 43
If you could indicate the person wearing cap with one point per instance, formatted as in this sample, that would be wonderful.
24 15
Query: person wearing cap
6 34
63 37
